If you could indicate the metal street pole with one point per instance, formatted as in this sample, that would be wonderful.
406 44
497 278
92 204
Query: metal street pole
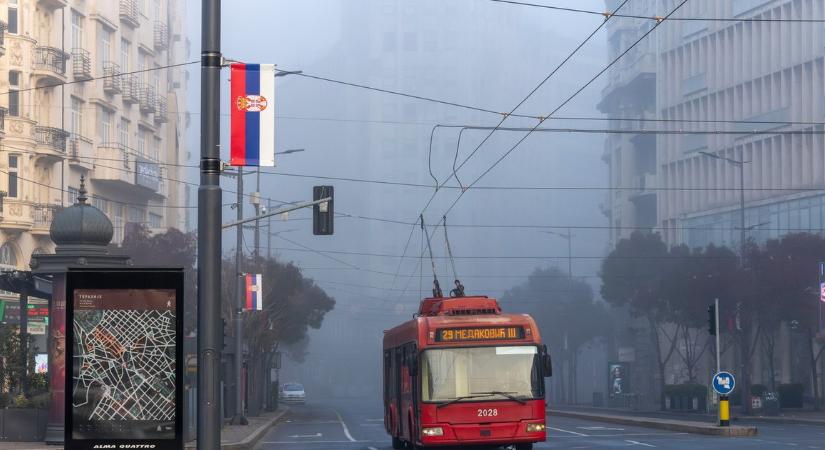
269 230
239 418
209 233
718 353
257 204
741 165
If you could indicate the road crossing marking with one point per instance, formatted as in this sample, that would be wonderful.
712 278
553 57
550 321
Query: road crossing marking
343 425
567 431
304 436
639 443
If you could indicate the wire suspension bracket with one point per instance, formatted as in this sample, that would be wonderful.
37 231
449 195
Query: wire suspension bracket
436 287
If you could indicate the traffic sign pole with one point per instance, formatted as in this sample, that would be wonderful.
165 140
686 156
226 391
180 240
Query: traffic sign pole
716 304
724 411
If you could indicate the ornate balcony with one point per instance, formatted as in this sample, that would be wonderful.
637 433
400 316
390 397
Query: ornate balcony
53 4
42 217
3 27
129 13
130 89
81 64
161 35
112 79
113 173
17 214
3 113
79 151
162 112
50 141
50 65
148 99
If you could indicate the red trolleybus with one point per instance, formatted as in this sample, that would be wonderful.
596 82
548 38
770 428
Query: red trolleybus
463 373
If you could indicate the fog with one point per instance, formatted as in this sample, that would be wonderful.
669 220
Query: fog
470 52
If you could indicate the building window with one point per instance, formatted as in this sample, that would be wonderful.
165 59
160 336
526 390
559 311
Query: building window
141 67
135 214
76 117
13 181
73 194
155 220
101 204
14 93
77 30
125 51
13 24
156 78
8 257
123 133
156 9
105 131
156 149
141 144
389 41
104 53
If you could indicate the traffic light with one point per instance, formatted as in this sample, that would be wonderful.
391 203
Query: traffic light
712 320
322 213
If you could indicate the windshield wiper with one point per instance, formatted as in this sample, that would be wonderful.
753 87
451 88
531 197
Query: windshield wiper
457 399
503 394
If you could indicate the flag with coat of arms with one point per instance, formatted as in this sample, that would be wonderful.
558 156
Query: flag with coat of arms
254 292
252 117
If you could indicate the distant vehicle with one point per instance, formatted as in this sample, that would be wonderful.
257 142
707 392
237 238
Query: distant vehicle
293 393
463 373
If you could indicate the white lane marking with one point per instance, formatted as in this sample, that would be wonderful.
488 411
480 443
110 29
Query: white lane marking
309 442
343 425
619 435
375 420
639 443
567 431
370 424
600 429
371 448
304 436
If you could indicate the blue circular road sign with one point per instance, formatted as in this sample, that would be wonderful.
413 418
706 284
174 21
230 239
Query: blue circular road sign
723 383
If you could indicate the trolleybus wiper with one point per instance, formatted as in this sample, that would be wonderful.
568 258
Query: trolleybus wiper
457 399
503 394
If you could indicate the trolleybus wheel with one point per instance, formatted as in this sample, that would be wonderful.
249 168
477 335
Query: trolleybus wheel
524 446
397 444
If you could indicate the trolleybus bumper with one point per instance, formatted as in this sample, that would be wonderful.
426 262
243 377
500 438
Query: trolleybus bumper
501 433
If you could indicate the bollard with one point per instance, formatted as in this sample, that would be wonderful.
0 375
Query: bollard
724 411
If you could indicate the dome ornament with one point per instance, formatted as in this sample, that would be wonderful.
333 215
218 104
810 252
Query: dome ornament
81 197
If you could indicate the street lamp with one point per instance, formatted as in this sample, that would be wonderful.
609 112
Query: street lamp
569 238
741 165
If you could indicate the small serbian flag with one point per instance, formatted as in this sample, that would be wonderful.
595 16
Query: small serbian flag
254 297
252 95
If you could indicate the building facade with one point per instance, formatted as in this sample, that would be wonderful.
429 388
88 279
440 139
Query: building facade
759 71
88 94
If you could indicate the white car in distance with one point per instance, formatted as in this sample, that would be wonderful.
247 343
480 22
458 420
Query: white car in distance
293 393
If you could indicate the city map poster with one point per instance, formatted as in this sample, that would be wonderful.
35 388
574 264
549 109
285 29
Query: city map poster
125 365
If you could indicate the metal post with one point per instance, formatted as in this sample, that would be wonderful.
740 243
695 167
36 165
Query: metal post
239 418
718 353
741 165
209 233
24 335
269 230
570 261
257 206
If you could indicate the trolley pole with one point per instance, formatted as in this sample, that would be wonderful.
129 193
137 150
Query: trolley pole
239 418
209 233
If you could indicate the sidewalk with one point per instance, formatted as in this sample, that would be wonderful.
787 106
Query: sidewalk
700 426
233 437
794 416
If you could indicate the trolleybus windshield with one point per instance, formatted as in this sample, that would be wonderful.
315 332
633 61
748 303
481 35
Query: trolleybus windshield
480 374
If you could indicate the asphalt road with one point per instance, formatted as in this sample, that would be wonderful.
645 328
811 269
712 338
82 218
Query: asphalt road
357 425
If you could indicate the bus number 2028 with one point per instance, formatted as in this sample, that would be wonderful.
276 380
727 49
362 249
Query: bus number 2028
487 412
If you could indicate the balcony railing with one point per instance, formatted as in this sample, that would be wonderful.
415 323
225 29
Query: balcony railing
3 27
161 35
3 113
130 89
148 99
112 80
81 64
51 59
162 112
51 137
44 214
129 12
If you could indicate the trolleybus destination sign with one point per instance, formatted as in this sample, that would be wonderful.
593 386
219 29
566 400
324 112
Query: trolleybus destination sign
479 334
125 359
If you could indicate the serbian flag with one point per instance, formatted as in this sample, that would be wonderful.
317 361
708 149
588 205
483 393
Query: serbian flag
254 297
252 95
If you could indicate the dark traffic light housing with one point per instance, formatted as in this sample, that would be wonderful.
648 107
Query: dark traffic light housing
322 213
712 320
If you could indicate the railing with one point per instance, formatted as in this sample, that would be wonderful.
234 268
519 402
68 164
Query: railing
124 151
44 214
130 88
148 99
112 82
161 115
51 137
81 64
50 58
3 27
161 35
3 113
129 12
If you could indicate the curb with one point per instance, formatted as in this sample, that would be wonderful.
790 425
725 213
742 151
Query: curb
253 437
782 420
662 424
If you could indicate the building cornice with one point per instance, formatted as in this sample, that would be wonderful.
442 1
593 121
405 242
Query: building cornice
104 21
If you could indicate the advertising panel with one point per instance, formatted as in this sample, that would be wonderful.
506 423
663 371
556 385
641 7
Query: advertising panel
147 174
125 351
618 379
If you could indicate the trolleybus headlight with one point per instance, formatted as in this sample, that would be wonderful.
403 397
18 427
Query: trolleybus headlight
535 427
434 431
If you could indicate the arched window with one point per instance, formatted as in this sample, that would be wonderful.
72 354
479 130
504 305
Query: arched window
8 255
